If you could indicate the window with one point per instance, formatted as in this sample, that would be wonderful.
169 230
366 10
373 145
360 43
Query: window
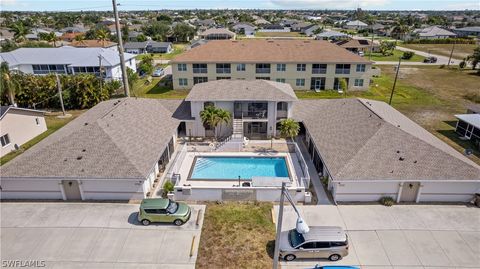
87 69
200 68
219 78
300 82
262 68
282 106
301 67
322 244
317 84
358 82
308 245
182 67
342 69
282 80
319 68
41 69
338 244
223 68
37 121
240 67
5 140
197 80
182 82
264 78
207 104
360 68
281 67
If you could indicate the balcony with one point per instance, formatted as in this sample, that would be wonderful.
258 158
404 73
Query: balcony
319 71
342 71
199 70
223 71
282 114
262 70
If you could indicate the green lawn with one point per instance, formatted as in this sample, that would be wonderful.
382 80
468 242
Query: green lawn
460 51
53 124
237 235
155 90
177 49
376 56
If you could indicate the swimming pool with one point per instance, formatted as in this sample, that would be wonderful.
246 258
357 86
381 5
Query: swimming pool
230 168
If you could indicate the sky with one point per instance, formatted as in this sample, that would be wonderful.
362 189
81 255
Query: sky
73 5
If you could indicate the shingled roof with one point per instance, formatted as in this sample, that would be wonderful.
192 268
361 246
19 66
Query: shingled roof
241 90
269 51
358 142
120 138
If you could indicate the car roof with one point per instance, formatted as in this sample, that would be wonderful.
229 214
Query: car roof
154 203
325 233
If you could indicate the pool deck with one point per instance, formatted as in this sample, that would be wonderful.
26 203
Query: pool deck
292 164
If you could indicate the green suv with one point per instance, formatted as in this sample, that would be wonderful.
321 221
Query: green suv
163 210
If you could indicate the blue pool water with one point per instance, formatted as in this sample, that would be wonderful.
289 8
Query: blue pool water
230 168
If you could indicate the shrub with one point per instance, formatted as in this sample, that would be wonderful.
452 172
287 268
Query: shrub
462 64
167 187
387 201
442 66
407 55
324 180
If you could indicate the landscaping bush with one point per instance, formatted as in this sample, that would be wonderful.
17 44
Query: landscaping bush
167 187
462 64
324 180
407 55
387 201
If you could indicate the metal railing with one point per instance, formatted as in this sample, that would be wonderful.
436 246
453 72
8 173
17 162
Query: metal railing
200 70
223 70
319 71
342 71
173 170
262 70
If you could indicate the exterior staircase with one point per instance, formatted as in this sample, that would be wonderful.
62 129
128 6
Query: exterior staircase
235 141
237 129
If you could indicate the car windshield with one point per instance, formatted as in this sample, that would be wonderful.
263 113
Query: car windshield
172 207
295 238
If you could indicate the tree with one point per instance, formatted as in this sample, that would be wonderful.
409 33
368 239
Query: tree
146 66
125 32
400 30
102 36
224 117
209 117
386 48
164 18
8 86
19 31
343 86
141 38
474 59
52 38
183 32
132 78
157 30
80 38
289 128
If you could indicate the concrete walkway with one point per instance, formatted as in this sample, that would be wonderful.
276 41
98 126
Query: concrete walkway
314 178
401 236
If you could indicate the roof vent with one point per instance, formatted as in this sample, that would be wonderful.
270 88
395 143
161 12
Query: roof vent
398 151
65 160
83 150
79 158
86 123
401 159
391 172
415 161
398 126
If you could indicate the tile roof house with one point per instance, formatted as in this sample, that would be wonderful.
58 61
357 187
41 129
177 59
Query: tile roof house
365 148
468 31
217 34
19 125
433 32
358 45
94 43
244 28
67 60
355 25
331 35
148 47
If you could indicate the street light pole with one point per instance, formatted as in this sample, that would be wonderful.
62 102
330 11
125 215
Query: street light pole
279 228
451 53
120 48
395 81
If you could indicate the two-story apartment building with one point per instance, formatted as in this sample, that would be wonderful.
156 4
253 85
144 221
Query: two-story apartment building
304 64
68 60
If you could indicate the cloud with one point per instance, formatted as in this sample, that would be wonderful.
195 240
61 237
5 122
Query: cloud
329 4
8 2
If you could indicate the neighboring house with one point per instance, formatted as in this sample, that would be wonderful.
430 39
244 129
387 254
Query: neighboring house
432 32
5 34
73 29
274 28
133 35
304 28
35 33
366 149
206 23
289 22
308 65
148 47
378 29
67 60
331 35
94 43
359 45
299 26
69 37
217 34
355 25
261 22
196 43
244 29
19 125
468 125
468 31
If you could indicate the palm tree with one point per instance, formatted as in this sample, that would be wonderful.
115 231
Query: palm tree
102 36
52 38
80 38
289 128
209 117
400 30
7 84
223 117
19 31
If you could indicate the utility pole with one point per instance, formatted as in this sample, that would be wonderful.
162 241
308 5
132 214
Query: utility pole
59 87
395 81
371 47
120 48
451 53
279 228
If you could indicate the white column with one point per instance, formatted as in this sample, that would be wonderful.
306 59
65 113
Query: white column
81 189
400 188
62 190
419 192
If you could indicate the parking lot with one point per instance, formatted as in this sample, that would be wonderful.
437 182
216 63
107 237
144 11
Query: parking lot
81 235
398 237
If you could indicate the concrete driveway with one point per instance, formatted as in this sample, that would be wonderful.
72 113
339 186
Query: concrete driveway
398 237
81 235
